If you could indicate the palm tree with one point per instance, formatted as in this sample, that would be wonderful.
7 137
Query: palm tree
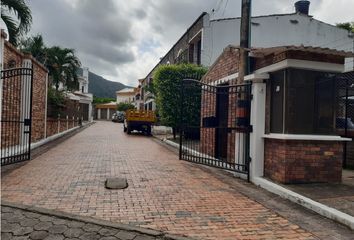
19 9
63 65
36 47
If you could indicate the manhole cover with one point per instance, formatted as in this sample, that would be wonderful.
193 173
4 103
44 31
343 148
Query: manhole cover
116 183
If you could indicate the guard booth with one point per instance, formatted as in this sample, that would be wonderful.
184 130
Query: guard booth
292 104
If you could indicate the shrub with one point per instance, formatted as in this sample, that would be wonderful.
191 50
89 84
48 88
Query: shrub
167 82
124 106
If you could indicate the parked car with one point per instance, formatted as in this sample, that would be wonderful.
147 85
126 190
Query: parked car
342 124
118 117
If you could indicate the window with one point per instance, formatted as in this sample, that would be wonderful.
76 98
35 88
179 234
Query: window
195 50
302 102
277 100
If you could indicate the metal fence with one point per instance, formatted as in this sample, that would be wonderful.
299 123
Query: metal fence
215 125
16 115
345 115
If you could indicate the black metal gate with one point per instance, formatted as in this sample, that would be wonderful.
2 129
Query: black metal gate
215 125
345 115
16 112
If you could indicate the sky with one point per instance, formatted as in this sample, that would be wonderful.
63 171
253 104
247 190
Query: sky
122 40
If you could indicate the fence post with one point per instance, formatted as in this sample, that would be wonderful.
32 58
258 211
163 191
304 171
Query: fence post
73 121
67 122
58 123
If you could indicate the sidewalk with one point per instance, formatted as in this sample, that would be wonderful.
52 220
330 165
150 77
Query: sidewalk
21 222
339 196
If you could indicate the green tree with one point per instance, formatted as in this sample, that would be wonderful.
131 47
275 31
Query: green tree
56 102
347 26
36 47
124 106
11 9
167 86
63 65
99 100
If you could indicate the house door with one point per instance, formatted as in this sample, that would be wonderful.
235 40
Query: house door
222 113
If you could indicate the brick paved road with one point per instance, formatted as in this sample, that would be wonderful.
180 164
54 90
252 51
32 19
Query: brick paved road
164 193
21 224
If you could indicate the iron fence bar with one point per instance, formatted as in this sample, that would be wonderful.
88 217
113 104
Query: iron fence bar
197 152
181 120
346 122
30 113
14 137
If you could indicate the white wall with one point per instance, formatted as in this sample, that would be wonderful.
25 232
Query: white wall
125 98
274 31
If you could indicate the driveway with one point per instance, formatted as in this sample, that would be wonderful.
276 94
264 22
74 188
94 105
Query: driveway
164 193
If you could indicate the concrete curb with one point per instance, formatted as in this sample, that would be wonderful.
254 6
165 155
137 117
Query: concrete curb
69 216
308 203
172 144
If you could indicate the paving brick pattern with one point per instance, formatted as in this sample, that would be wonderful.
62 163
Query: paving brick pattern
24 224
163 194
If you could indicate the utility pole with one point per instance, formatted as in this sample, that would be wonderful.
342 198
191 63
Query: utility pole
245 39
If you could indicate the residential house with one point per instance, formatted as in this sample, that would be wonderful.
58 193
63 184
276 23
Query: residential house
125 95
86 98
138 101
206 38
105 111
295 89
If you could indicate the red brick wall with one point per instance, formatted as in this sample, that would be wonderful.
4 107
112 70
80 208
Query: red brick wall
12 97
207 135
226 65
11 102
303 161
39 101
63 124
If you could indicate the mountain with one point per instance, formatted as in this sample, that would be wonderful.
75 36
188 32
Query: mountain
101 87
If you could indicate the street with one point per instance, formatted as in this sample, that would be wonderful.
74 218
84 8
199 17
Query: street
164 193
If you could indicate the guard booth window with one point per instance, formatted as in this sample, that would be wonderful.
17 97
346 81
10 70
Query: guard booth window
303 102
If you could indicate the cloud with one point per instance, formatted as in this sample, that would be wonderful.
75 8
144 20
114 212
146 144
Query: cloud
98 32
123 40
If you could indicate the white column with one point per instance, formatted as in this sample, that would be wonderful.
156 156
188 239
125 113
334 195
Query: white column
108 112
99 114
258 113
90 113
25 104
